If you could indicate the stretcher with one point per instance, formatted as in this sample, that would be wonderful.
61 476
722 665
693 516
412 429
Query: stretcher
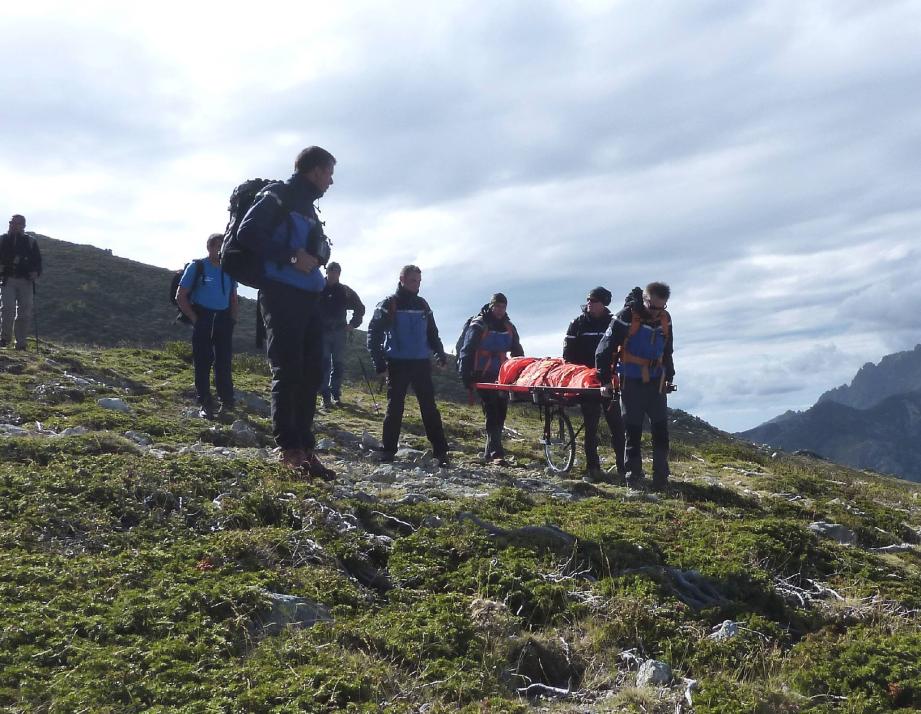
559 437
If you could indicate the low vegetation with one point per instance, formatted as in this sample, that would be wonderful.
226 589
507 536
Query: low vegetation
137 578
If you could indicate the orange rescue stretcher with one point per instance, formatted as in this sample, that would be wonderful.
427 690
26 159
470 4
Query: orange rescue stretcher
553 385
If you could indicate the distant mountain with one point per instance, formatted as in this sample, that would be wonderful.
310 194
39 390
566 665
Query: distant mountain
895 374
874 423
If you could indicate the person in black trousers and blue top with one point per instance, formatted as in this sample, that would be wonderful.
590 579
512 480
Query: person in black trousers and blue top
284 230
642 332
208 298
402 337
488 341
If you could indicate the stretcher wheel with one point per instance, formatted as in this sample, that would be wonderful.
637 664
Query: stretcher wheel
559 440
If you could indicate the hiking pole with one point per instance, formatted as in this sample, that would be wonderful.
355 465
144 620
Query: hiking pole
364 373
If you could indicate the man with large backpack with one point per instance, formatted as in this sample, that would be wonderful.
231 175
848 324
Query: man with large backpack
488 340
582 338
402 337
335 301
208 299
642 332
284 233
20 266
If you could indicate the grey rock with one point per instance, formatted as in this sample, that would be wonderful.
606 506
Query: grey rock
115 404
243 434
74 431
726 630
411 499
835 531
369 442
408 454
385 473
139 437
252 402
653 673
325 444
12 430
433 521
288 611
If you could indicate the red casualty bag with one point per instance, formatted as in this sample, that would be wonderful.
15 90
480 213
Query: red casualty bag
561 375
512 368
585 378
535 374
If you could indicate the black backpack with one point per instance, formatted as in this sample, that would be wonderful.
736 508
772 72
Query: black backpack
237 260
174 284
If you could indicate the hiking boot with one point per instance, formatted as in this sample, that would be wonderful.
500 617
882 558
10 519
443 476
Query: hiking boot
226 409
293 458
443 461
594 474
316 468
659 484
385 456
20 345
337 401
327 402
2 343
206 411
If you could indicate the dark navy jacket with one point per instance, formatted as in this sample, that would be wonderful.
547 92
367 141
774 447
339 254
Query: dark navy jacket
278 241
648 338
403 328
583 336
19 256
481 357
335 301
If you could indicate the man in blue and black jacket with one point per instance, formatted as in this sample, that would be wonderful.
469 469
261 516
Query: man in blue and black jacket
582 338
488 341
402 337
283 228
642 331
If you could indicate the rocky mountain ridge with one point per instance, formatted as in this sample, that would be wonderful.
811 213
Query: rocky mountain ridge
872 423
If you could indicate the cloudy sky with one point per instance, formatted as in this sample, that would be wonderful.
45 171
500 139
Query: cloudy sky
762 157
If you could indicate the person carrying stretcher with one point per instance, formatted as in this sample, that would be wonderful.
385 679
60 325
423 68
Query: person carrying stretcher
582 338
487 342
642 335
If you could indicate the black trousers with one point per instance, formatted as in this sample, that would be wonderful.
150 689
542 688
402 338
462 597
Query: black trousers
415 373
294 344
212 345
642 400
591 416
495 407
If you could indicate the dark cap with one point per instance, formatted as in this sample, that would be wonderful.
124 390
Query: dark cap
602 295
16 218
498 299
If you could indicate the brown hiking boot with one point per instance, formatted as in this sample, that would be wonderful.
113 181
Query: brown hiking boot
292 458
316 468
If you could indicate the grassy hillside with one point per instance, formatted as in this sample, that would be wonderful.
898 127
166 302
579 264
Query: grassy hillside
88 296
148 560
